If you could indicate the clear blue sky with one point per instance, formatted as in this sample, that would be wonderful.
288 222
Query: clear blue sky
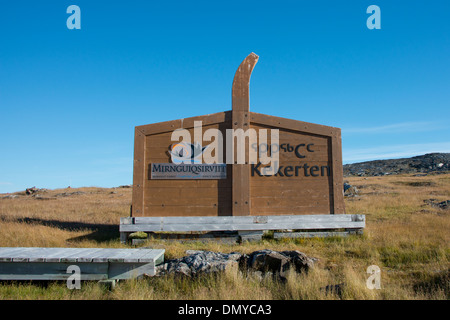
70 99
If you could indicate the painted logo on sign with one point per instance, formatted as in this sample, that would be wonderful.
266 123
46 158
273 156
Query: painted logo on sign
187 153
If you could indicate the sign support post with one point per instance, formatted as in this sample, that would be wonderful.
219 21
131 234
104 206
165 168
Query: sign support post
241 120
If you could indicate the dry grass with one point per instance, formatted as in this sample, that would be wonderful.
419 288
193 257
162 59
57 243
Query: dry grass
406 238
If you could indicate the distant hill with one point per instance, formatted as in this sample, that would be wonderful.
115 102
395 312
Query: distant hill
430 162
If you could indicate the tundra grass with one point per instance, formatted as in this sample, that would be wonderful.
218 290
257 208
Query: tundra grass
405 237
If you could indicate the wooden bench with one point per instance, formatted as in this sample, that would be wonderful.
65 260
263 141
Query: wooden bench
34 263
246 226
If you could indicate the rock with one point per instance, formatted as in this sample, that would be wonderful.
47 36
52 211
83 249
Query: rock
301 262
199 262
68 194
347 186
444 205
350 191
10 196
32 190
268 260
275 262
263 262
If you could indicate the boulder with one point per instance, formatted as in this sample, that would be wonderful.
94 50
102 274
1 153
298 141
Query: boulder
32 190
263 262
198 262
350 191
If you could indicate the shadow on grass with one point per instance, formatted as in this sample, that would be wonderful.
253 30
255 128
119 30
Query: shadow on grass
99 232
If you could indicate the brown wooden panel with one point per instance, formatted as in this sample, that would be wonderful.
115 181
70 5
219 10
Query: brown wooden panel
138 174
175 211
184 184
291 202
290 124
292 191
266 211
338 175
184 197
169 126
264 192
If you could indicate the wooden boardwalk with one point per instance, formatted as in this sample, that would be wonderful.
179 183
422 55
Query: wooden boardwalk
257 224
32 263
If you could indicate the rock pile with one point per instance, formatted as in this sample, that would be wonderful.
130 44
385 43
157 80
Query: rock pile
263 262
431 162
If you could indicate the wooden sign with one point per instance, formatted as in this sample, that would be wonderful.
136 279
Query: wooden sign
170 177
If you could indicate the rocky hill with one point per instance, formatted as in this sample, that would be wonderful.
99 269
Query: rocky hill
431 162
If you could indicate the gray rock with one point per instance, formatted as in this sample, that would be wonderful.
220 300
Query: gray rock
199 262
32 190
276 262
10 196
444 205
350 191
263 262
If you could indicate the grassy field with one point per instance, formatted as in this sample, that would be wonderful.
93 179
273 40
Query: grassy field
406 237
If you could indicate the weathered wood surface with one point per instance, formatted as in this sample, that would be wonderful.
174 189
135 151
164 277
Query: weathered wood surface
32 263
240 96
241 223
315 234
35 254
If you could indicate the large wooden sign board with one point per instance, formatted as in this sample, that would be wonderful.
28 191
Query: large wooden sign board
309 179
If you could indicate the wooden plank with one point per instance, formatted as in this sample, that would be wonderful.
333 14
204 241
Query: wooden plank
138 173
230 223
88 256
45 254
22 255
184 184
169 210
294 203
238 227
7 253
240 96
246 219
50 271
73 255
174 192
290 124
337 171
264 192
137 255
292 182
182 203
298 210
186 123
312 234
95 264
103 255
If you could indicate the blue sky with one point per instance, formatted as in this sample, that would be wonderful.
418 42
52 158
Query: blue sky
70 99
